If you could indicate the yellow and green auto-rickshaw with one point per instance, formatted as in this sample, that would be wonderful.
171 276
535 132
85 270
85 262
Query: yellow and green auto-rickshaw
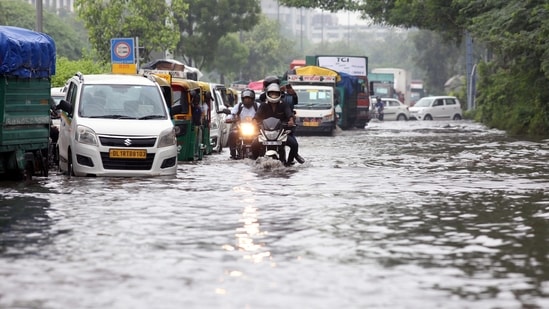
207 100
190 119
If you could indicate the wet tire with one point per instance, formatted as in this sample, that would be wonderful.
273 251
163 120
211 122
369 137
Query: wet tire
457 117
427 117
401 117
70 170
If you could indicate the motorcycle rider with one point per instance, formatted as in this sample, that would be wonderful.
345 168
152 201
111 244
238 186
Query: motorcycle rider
275 107
244 109
288 93
379 106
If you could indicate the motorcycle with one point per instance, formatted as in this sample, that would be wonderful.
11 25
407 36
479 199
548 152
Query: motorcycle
247 132
273 135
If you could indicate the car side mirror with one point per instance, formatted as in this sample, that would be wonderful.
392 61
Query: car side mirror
65 106
225 111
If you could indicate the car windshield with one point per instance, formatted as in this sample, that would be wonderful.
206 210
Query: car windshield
122 101
424 102
314 98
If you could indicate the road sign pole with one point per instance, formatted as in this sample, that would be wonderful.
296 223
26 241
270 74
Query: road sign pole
137 51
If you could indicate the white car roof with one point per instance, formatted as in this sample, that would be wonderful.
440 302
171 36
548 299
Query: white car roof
117 79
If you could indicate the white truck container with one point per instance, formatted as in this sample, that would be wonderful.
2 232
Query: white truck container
401 84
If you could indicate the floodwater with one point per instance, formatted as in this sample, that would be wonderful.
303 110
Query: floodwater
398 215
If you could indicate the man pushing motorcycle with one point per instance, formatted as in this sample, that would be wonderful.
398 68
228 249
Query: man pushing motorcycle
275 107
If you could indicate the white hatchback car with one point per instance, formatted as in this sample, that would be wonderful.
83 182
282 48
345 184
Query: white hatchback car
437 108
116 125
393 109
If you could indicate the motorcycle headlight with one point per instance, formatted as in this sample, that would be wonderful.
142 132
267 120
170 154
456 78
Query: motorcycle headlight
247 129
167 138
271 135
85 135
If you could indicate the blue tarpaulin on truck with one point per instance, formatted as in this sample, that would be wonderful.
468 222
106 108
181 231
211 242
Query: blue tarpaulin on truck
348 82
26 53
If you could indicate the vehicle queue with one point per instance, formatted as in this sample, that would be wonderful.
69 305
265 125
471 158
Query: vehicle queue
143 125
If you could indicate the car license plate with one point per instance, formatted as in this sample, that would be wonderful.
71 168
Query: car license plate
128 153
311 123
269 143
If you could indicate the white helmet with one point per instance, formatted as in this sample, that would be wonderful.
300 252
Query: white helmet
273 93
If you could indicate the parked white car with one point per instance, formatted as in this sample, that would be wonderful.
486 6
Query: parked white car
393 109
437 108
219 130
116 125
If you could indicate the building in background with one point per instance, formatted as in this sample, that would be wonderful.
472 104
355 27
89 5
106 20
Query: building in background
316 25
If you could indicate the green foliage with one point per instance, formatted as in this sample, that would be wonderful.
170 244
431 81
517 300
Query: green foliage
270 53
205 22
19 13
66 68
513 99
149 20
230 57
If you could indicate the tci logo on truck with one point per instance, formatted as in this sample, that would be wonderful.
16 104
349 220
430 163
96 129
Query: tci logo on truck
357 66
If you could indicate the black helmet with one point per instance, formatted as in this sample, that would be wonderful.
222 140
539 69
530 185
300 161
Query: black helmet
247 93
269 80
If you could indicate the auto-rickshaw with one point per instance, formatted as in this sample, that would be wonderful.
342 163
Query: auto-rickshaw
189 119
207 99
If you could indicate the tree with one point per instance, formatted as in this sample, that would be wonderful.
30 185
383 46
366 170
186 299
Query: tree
231 55
205 22
431 48
149 20
269 52
66 68
68 43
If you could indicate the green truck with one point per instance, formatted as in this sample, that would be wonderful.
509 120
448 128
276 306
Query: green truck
27 62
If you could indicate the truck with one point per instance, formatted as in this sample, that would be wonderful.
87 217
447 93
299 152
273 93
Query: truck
27 63
417 91
383 84
355 102
402 80
316 90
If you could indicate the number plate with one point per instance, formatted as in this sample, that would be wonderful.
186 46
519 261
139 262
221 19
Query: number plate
272 143
311 124
128 153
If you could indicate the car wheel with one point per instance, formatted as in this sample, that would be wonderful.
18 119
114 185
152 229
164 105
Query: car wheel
401 117
70 170
427 117
457 117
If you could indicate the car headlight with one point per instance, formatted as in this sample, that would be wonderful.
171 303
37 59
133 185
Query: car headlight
167 138
85 135
328 117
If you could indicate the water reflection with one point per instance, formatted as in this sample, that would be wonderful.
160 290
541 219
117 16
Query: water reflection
25 226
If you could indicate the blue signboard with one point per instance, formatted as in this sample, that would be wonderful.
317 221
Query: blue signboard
122 51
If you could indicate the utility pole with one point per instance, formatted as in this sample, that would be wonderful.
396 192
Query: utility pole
39 16
469 69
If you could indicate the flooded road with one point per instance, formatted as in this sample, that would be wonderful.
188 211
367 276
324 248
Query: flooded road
399 215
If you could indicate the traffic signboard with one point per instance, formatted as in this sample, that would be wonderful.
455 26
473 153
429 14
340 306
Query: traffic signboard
122 51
